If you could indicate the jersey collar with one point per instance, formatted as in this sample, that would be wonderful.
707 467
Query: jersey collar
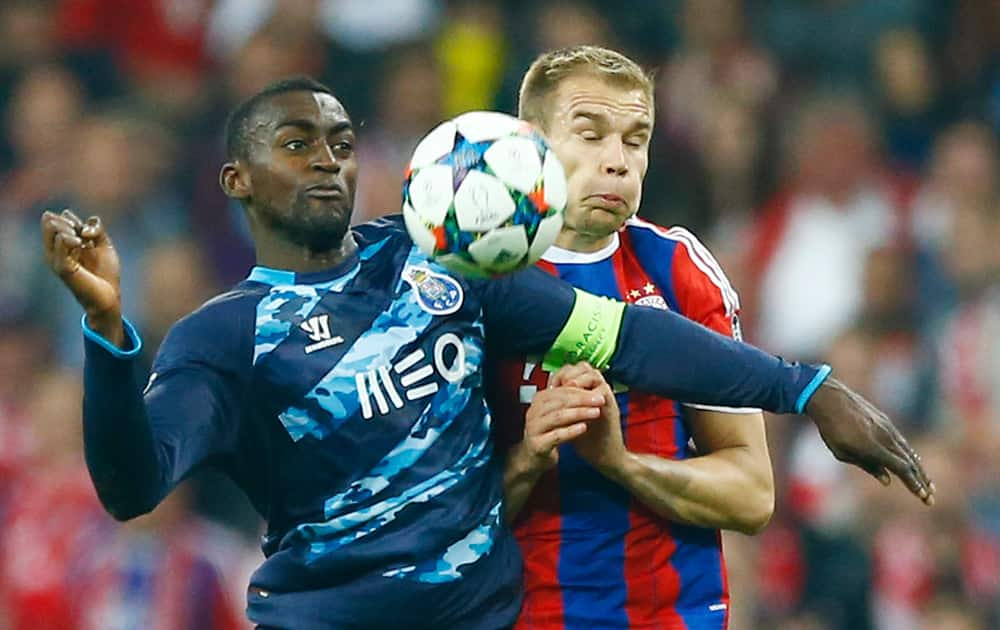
284 277
561 256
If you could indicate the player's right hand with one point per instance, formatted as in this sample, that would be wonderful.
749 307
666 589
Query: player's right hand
82 255
557 415
856 432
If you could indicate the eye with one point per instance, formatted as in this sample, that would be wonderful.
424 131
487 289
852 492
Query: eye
590 135
344 146
295 145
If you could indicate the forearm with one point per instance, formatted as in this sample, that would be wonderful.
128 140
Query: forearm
666 354
721 490
118 441
518 482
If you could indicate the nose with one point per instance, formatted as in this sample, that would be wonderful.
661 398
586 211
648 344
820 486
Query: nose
325 160
613 159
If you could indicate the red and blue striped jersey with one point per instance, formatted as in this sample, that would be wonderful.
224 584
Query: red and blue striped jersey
594 556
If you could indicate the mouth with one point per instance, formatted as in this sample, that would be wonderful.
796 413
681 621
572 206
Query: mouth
609 200
325 191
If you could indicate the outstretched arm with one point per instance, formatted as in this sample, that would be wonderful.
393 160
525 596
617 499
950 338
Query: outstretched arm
667 354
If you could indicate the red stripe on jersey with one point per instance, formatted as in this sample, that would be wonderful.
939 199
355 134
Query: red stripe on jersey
652 582
547 267
540 537
725 580
692 285
618 264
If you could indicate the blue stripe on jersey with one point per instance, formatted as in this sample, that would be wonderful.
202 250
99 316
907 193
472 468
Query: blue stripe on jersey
590 502
273 277
681 434
696 558
287 305
338 391
437 416
698 563
356 525
656 257
466 551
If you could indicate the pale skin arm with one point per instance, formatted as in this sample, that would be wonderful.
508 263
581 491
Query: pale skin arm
556 416
730 487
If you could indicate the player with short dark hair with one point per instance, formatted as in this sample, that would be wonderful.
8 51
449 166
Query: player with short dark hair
339 386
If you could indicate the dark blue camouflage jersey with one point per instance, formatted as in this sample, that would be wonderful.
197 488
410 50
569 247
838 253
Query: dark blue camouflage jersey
349 406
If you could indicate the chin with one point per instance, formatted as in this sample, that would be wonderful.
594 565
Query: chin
318 228
607 221
324 234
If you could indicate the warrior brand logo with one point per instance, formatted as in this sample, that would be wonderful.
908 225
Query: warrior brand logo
415 376
318 329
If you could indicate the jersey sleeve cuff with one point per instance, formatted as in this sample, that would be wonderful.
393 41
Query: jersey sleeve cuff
132 338
807 393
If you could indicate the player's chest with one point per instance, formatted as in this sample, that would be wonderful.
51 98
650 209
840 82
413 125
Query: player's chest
336 358
622 277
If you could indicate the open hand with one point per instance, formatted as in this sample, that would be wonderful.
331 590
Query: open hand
858 433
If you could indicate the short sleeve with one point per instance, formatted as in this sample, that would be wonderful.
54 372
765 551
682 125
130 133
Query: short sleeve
704 294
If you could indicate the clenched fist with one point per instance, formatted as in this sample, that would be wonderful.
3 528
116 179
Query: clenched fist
82 255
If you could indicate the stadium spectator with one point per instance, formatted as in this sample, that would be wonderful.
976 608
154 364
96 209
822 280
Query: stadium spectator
408 104
52 516
169 570
813 237
921 65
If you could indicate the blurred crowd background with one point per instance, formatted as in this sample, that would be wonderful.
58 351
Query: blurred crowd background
840 158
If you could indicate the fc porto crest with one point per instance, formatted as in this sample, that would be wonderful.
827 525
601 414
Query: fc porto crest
437 293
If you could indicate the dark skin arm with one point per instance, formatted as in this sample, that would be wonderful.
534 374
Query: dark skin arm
854 430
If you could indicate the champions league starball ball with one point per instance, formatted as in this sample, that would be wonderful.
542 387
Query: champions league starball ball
484 194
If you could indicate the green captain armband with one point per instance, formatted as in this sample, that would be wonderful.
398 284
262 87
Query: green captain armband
590 333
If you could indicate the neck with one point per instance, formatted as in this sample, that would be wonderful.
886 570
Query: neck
277 253
578 242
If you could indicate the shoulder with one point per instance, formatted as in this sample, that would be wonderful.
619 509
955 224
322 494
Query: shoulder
219 332
694 272
683 245
389 229
652 234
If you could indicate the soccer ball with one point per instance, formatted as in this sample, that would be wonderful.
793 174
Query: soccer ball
484 195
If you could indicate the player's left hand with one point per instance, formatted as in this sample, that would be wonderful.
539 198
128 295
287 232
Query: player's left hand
858 433
603 445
